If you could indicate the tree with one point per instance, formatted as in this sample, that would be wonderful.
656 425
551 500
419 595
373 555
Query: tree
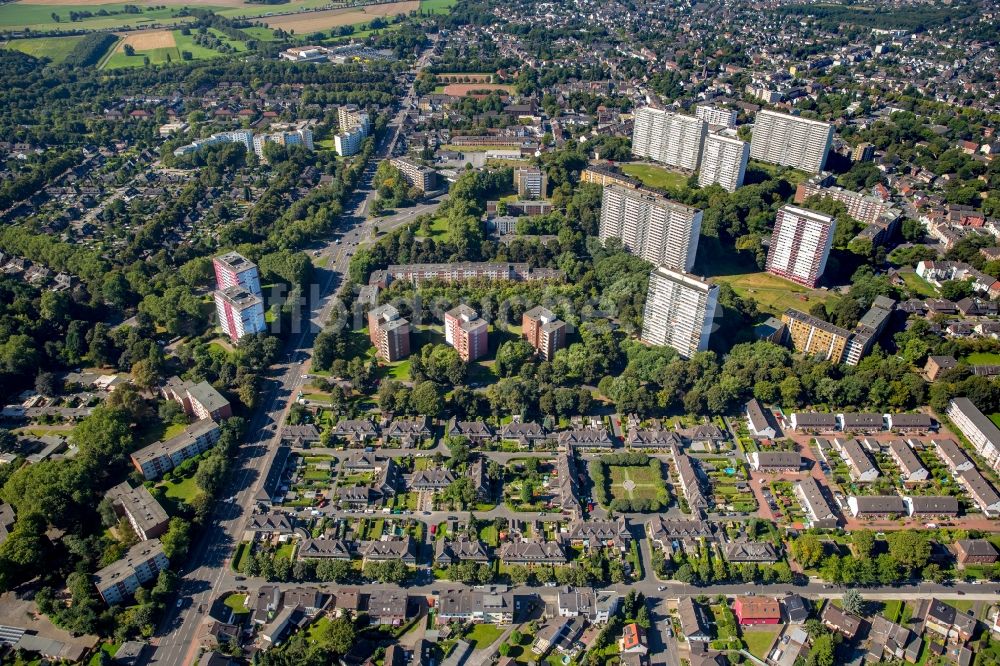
340 635
910 548
426 399
863 542
808 550
511 356
853 602
177 539
684 574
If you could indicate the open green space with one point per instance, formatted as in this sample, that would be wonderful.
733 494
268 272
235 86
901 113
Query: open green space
285 551
773 294
172 54
983 358
237 603
918 286
654 176
180 490
759 639
634 482
437 6
483 635
260 33
41 18
106 648
54 48
793 176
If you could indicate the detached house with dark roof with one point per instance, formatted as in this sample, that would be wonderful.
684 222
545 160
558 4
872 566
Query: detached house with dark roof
476 432
589 438
524 433
431 479
447 551
760 421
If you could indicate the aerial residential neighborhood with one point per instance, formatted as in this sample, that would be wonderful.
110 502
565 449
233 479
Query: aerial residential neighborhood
478 333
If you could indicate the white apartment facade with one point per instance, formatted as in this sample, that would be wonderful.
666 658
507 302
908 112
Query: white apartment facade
661 231
791 141
723 162
679 313
800 245
715 116
670 138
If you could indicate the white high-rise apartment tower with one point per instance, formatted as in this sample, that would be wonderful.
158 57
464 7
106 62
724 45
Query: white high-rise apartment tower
791 141
800 244
680 309
667 137
723 161
661 231
716 116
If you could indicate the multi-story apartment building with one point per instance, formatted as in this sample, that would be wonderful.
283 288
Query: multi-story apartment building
233 269
863 152
679 311
199 400
603 174
716 116
661 231
670 138
813 336
531 182
981 432
240 312
868 330
417 175
300 137
349 142
144 513
543 331
350 115
142 563
389 333
465 270
792 141
466 332
517 208
800 245
154 460
244 137
723 161
862 207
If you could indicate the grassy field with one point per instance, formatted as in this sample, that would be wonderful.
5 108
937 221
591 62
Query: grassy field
184 490
54 48
260 33
793 176
438 229
654 176
159 56
16 15
774 294
304 24
483 635
436 6
918 286
983 358
647 485
759 639
237 603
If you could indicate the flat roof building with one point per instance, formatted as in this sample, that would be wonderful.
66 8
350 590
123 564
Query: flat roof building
661 231
680 311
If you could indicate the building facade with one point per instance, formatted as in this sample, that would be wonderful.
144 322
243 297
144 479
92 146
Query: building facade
800 245
389 333
154 460
466 332
723 162
716 116
141 564
417 175
530 182
232 269
240 312
679 312
543 331
791 141
661 231
670 138
813 336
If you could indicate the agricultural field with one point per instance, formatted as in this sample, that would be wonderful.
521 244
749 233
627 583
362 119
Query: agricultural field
42 17
654 176
436 6
303 24
163 46
54 48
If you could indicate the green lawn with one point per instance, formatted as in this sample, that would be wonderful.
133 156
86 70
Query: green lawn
237 602
489 536
437 6
983 358
108 648
260 33
918 286
654 176
483 635
437 228
184 490
285 551
793 176
891 609
647 486
54 48
759 639
773 294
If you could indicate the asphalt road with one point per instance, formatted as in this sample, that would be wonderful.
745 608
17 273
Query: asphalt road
207 573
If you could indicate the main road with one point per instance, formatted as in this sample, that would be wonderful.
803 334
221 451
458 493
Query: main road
205 577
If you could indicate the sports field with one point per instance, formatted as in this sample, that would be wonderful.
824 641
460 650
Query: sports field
309 22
